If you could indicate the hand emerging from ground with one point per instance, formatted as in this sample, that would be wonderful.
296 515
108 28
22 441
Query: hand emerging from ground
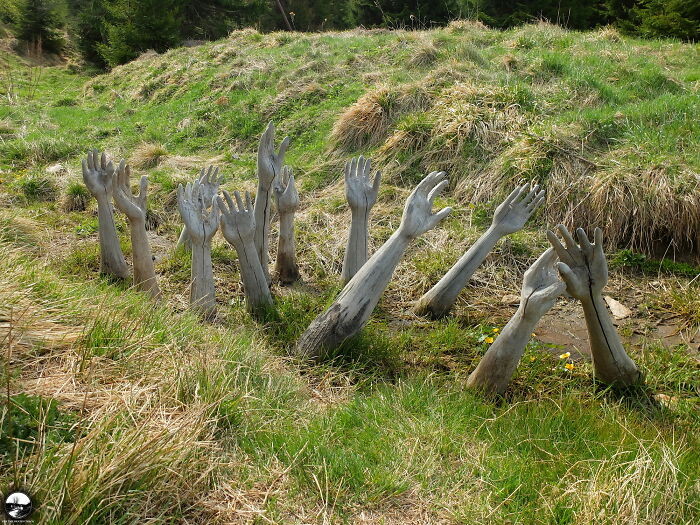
201 223
585 272
360 191
270 163
541 286
418 217
512 214
583 266
238 227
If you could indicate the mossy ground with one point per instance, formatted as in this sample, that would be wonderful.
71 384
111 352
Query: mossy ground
160 416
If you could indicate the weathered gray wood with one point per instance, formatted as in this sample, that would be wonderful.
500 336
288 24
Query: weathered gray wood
135 210
202 225
210 182
361 194
510 217
98 177
287 202
541 288
585 271
269 169
238 227
355 304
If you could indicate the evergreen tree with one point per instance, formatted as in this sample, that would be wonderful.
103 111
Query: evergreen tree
135 26
209 20
39 24
88 28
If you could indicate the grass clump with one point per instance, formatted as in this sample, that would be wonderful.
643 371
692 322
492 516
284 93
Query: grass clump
37 186
149 155
76 197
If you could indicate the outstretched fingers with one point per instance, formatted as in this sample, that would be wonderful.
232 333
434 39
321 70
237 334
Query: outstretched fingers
143 189
239 201
435 218
513 194
248 202
283 150
436 191
536 202
377 181
556 244
430 181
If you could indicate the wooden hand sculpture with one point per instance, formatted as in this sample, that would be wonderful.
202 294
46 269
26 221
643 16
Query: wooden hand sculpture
541 288
269 169
135 210
355 304
511 215
585 272
202 225
238 227
361 194
287 201
98 177
210 182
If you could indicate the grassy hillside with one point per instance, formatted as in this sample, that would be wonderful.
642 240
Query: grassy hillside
124 411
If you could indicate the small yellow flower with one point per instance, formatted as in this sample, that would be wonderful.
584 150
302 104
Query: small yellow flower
489 340
565 355
532 358
569 366
533 334
496 330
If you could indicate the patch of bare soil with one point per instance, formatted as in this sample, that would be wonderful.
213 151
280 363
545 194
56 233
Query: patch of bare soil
564 327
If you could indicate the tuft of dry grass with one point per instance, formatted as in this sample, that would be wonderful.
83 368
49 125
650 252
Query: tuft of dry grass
464 26
149 155
367 121
425 55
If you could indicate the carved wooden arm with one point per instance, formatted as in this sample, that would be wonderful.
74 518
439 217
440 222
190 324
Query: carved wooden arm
511 215
98 177
541 288
269 169
361 193
355 304
238 227
202 225
135 210
585 272
287 201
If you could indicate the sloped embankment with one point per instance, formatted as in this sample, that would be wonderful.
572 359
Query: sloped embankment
610 125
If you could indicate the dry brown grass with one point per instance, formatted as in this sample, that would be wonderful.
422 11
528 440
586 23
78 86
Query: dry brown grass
148 155
424 55
367 121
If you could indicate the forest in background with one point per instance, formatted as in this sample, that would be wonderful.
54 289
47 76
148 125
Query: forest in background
107 33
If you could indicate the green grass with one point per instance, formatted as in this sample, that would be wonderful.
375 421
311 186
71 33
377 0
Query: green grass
172 420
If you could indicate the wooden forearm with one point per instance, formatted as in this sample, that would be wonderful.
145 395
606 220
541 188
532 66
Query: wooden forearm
112 260
496 368
286 265
610 361
202 296
438 301
257 291
144 271
356 249
355 304
262 213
